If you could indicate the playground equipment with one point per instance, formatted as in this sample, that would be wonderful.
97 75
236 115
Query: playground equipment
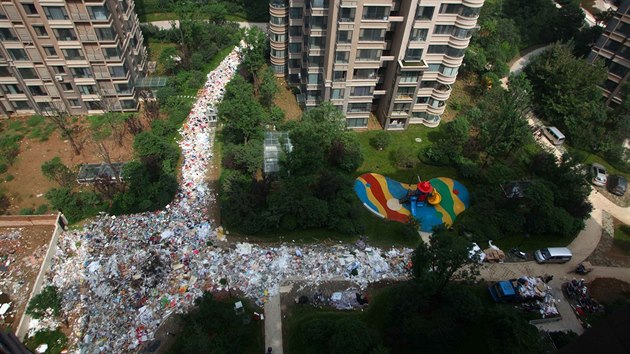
434 202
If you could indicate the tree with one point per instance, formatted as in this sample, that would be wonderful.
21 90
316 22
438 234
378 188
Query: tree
169 59
47 302
69 128
240 112
254 53
445 259
268 87
55 170
381 140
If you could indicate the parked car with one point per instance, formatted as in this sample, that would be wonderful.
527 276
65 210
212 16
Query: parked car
554 135
617 185
553 255
599 175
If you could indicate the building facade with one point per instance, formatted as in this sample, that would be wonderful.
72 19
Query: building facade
395 59
76 56
613 49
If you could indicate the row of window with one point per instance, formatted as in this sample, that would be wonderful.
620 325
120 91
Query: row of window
73 102
19 54
425 13
96 13
38 90
62 34
119 71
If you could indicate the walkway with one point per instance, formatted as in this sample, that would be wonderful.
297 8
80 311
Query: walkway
169 24
273 324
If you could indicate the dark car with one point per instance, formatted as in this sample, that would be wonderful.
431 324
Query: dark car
617 185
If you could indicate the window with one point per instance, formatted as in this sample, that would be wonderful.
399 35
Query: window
105 34
414 54
123 89
295 47
37 90
428 84
359 107
344 36
362 91
65 34
93 105
28 73
372 35
128 104
461 33
110 53
98 13
66 86
315 61
375 12
295 13
21 105
443 29
44 106
40 30
18 54
55 13
4 71
356 122
445 49
316 42
278 53
314 79
364 74
409 76
369 54
3 16
30 9
617 69
457 9
74 102
278 37
435 103
118 71
295 31
313 95
295 63
7 34
278 69
448 71
425 13
422 100
347 14
339 76
337 94
73 54
342 57
12 89
320 4
405 92
277 20
418 34
81 73
87 89
318 22
123 5
401 108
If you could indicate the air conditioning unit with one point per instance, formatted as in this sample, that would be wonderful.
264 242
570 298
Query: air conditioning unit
59 78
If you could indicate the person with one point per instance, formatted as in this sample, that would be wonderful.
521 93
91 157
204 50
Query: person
269 350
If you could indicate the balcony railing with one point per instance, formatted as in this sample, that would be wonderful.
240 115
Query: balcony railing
79 16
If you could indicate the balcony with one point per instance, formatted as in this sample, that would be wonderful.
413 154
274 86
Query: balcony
278 4
412 64
80 16
88 37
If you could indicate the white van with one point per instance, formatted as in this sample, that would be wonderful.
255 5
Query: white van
554 135
553 255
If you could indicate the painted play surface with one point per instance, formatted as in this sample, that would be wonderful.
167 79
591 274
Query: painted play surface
382 195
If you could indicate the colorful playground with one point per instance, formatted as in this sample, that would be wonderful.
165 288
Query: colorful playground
432 203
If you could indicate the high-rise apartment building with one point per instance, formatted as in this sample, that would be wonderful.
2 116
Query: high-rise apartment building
397 59
79 56
613 49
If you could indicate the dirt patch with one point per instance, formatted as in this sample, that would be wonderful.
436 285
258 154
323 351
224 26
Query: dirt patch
608 254
622 201
608 290
22 249
286 100
28 186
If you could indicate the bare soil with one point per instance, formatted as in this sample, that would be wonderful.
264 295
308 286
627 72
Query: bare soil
608 254
607 290
28 187
286 100
22 250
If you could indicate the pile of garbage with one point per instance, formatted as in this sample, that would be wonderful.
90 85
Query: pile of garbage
578 292
536 289
122 276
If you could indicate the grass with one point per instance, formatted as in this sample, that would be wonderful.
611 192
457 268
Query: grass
155 50
382 161
56 341
593 158
217 59
159 16
622 238
532 243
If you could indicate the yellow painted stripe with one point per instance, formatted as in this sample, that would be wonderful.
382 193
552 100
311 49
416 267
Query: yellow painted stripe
446 217
458 205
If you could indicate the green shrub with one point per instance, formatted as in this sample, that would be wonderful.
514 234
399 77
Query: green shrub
35 120
3 167
56 341
42 209
26 211
381 140
47 300
404 158
9 178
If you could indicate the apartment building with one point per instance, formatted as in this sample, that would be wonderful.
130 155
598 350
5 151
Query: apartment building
395 59
77 56
613 49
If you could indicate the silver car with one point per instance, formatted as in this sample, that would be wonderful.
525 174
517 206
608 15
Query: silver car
599 175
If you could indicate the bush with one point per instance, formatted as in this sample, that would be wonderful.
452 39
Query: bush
42 209
381 140
46 302
26 211
3 167
9 178
56 341
35 120
404 158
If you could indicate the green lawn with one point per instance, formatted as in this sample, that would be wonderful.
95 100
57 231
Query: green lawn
529 244
159 16
590 158
155 50
382 161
